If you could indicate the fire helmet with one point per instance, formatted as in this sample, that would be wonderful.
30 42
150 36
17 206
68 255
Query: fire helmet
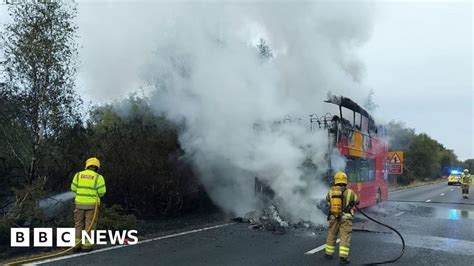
340 178
93 162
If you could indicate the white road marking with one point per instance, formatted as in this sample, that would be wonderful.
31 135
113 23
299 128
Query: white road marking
428 200
311 252
442 194
452 189
398 214
123 246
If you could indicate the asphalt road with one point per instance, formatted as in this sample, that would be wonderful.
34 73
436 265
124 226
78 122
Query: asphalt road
436 222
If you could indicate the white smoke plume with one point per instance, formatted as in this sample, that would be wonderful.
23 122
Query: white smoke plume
205 74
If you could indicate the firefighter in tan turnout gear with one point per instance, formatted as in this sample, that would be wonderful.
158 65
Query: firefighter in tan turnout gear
465 182
341 202
89 187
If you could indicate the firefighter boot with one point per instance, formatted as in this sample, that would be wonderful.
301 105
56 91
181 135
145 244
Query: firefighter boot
344 261
328 257
77 247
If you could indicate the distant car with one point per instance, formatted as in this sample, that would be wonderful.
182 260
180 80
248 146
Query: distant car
454 178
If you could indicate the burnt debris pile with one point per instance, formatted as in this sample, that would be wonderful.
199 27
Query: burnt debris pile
269 219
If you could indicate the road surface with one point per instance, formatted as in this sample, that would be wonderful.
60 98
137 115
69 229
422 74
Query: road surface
435 221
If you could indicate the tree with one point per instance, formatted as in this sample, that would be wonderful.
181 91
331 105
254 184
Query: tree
469 164
40 65
141 154
447 160
400 137
424 155
264 50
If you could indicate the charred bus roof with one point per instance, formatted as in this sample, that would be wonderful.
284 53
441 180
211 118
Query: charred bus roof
349 104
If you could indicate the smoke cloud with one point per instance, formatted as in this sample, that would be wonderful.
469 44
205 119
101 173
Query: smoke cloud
201 67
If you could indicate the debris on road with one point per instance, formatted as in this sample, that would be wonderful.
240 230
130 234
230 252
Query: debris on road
269 219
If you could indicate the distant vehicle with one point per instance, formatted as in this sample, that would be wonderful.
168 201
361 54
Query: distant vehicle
454 178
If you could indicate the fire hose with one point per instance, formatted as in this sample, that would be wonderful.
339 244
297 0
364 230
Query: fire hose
391 228
28 260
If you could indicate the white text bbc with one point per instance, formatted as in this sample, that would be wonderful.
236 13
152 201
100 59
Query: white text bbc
65 237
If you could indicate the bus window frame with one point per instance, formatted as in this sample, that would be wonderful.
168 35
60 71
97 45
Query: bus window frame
365 169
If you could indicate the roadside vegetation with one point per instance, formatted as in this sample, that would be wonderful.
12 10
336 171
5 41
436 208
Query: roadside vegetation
46 133
425 159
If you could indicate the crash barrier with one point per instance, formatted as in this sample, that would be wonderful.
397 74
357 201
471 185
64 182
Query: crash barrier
391 228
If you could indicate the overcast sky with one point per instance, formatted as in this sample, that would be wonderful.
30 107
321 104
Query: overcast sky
419 62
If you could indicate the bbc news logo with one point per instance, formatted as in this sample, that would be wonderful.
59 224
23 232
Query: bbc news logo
66 237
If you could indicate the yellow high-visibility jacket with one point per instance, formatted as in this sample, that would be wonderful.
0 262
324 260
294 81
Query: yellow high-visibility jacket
89 186
465 179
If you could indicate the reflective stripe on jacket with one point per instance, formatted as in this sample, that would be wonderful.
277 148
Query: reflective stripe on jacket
88 185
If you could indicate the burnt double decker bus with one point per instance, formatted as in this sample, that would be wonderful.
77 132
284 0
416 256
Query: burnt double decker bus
356 146
363 145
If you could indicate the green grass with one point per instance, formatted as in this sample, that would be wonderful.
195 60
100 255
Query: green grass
416 183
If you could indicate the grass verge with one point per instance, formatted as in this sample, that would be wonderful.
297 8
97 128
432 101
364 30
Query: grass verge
417 183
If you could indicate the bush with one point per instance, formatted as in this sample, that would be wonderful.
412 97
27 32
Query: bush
25 211
5 225
114 218
141 160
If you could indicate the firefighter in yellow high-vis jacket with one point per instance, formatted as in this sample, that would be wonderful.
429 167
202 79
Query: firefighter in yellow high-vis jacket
89 187
465 182
341 202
